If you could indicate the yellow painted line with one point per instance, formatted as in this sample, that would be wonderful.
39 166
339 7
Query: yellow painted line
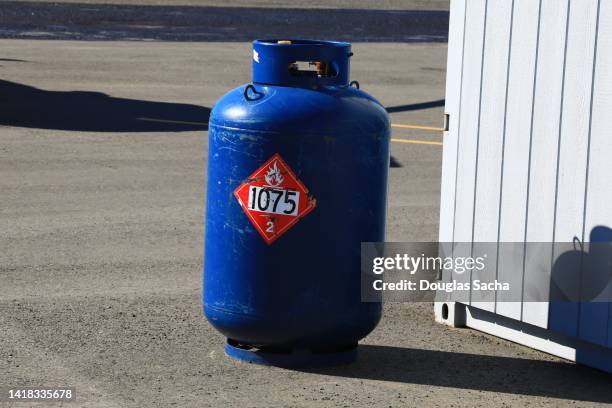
179 122
435 129
424 142
395 125
414 141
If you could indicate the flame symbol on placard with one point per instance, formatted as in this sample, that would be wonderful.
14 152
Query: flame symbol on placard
273 176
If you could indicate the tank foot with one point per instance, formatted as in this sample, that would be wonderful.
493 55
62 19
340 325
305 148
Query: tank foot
290 358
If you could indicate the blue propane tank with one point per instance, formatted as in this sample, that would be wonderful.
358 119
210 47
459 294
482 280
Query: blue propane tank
297 179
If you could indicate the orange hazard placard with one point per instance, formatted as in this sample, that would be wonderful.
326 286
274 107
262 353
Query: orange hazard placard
274 199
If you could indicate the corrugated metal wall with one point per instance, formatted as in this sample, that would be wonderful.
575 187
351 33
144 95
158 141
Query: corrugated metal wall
528 154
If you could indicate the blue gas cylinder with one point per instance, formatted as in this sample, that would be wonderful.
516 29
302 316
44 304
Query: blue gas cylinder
297 179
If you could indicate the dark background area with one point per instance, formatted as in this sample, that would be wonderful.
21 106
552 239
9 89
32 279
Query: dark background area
191 23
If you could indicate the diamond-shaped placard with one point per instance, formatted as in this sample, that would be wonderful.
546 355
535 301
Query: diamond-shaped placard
274 199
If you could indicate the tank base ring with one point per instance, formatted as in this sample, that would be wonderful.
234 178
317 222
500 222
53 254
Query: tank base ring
295 358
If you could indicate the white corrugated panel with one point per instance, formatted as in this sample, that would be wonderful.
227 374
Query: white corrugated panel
528 154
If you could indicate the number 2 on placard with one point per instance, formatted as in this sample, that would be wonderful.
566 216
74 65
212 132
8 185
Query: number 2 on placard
270 225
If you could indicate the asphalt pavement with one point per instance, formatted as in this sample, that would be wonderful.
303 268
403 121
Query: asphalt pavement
141 22
103 151
319 4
